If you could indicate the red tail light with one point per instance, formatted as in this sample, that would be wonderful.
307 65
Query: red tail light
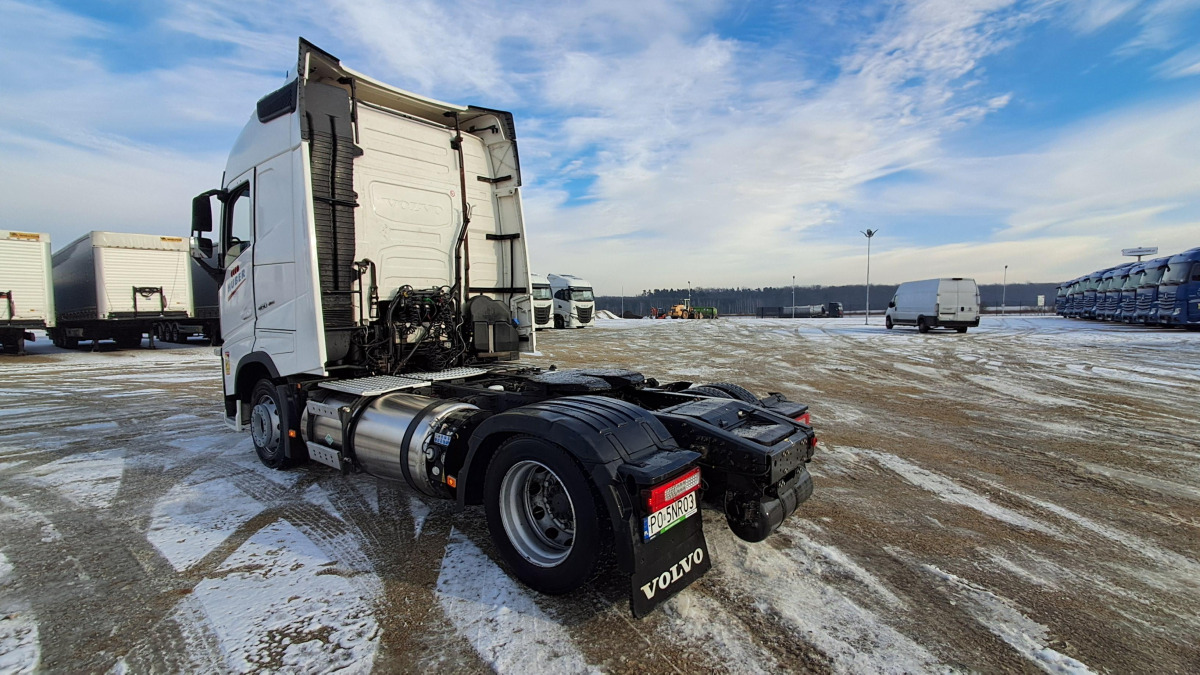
805 420
673 490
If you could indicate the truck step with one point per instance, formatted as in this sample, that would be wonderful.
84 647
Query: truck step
325 455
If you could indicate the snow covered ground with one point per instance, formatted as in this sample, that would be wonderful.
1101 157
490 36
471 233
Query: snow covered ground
1025 497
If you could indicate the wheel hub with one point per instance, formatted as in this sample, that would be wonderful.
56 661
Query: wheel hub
537 513
264 424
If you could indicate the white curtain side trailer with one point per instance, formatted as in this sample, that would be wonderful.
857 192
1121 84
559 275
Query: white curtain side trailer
26 299
117 286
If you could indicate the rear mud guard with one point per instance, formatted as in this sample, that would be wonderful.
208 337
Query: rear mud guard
624 450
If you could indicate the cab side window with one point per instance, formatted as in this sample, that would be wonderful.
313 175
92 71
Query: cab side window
239 224
561 295
1196 271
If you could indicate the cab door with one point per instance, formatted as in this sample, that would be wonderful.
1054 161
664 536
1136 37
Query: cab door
237 258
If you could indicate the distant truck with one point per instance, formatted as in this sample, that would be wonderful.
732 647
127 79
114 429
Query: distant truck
116 286
543 301
1146 311
1179 291
205 319
574 303
26 296
935 303
829 309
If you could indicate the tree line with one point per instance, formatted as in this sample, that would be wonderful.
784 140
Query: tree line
853 297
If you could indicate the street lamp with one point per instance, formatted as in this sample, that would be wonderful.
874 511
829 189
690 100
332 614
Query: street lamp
689 295
1004 293
869 234
793 296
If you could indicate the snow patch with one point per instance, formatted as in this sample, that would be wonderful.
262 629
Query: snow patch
196 515
419 511
499 618
1028 637
854 638
280 604
19 648
949 491
89 479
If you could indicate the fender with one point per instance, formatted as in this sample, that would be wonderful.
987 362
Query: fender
621 447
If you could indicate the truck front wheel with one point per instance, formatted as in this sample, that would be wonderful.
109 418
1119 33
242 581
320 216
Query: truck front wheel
266 427
543 516
921 325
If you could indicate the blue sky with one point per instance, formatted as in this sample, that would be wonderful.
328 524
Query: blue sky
722 143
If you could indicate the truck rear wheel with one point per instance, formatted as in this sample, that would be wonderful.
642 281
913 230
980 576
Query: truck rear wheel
921 325
266 425
961 329
543 516
735 391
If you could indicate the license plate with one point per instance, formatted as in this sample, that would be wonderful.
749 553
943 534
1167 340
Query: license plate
667 517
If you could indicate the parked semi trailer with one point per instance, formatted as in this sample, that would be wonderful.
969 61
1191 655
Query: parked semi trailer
205 317
117 286
26 289
367 306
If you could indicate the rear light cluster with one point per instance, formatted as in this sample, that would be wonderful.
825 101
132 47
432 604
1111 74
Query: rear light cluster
672 491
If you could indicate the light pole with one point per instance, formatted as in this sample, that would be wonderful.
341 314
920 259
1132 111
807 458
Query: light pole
1004 293
793 296
689 295
869 234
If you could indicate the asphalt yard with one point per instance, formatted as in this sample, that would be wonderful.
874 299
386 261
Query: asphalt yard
1021 498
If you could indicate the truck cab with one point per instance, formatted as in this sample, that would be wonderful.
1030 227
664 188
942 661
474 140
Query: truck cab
1108 293
1130 281
1146 311
543 301
574 302
1179 291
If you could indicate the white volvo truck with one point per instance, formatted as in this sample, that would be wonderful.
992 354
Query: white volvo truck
543 301
574 301
374 283
26 288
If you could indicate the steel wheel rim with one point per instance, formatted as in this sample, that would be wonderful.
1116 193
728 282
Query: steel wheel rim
537 513
264 424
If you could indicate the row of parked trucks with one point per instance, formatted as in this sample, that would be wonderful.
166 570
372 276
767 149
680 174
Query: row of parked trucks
103 286
1160 292
562 301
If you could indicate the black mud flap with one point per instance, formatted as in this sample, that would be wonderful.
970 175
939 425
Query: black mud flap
667 564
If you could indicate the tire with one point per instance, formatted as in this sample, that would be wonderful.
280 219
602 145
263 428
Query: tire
735 391
266 426
921 325
962 329
704 390
887 322
543 553
129 340
558 321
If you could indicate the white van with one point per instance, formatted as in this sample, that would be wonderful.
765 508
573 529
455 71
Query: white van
935 303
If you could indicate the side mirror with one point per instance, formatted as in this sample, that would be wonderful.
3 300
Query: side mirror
202 216
892 304
202 248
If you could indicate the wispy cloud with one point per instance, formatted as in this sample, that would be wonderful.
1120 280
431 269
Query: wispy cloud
662 141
